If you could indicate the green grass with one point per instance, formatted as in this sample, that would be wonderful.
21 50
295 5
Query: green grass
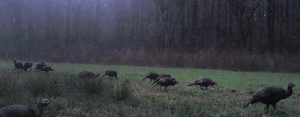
138 98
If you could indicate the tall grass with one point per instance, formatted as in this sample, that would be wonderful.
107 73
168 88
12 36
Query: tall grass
40 85
91 86
8 84
117 90
122 91
76 97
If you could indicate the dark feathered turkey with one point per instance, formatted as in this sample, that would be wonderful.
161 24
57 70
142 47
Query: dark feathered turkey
87 74
152 76
27 66
47 69
40 66
271 95
111 74
166 82
18 65
204 82
23 110
159 77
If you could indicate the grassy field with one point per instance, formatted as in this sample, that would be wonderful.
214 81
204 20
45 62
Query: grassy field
131 97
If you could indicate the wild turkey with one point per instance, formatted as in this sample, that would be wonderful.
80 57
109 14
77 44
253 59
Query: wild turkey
204 82
271 95
47 69
24 111
18 65
87 74
166 82
40 66
111 74
152 76
159 77
27 66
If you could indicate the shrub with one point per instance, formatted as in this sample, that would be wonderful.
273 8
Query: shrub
8 84
91 86
122 91
41 86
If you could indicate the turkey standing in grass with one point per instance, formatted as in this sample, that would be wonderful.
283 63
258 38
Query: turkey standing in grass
204 82
111 74
18 65
271 95
40 66
166 82
159 77
24 111
47 69
27 66
87 74
152 76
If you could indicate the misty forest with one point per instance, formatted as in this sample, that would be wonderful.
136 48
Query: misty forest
91 58
230 34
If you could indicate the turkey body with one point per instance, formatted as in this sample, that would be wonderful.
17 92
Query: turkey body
18 111
204 82
111 74
152 76
87 74
166 82
271 95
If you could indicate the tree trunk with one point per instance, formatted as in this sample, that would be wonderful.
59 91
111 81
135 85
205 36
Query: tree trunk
270 23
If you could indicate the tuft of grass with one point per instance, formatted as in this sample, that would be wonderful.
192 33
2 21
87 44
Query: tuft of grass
8 84
39 85
91 86
122 91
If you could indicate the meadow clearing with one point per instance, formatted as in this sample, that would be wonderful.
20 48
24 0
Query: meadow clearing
129 96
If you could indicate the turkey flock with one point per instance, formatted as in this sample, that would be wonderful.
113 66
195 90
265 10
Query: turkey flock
270 95
27 66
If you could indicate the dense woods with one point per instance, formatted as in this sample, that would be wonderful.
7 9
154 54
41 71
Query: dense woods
233 34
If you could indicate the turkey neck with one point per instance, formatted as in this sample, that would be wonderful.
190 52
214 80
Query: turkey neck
40 110
289 92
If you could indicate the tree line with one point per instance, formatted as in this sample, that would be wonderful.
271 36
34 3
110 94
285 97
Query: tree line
90 30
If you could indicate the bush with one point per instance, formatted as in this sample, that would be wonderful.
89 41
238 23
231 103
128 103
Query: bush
41 86
91 86
8 84
122 91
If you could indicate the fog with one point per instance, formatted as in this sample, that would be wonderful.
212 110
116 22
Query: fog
128 31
